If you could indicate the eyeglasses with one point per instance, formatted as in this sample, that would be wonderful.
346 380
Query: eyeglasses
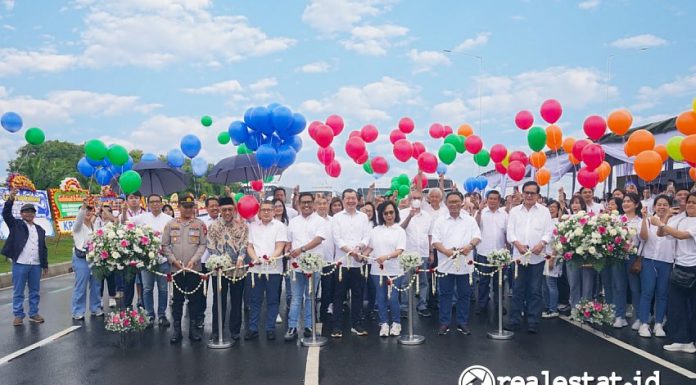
305 202
530 193
388 213
155 202
266 210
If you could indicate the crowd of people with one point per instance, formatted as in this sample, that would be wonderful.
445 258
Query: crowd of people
655 288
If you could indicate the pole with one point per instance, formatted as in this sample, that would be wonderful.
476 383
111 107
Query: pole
314 340
221 343
500 334
410 339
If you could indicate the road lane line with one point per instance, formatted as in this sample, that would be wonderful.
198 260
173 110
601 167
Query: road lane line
312 368
39 344
42 279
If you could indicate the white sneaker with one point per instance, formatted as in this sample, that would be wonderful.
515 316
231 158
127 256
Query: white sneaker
620 323
659 331
686 348
384 330
395 329
636 325
644 331
112 302
279 319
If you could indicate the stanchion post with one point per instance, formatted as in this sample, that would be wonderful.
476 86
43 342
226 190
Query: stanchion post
500 334
221 342
314 340
410 338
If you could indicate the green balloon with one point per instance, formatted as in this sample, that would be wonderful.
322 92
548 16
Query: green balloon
404 190
117 155
238 196
368 168
206 120
242 149
130 182
224 137
457 141
536 138
447 153
394 185
674 148
482 158
35 136
95 149
403 180
268 179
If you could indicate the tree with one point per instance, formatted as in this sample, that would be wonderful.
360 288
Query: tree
48 164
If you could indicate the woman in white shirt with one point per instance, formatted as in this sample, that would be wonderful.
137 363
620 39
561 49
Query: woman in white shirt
82 230
387 242
624 273
552 270
581 278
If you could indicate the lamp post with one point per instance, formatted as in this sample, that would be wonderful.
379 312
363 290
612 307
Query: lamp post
480 59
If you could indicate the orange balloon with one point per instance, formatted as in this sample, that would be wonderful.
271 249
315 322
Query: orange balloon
568 144
692 173
543 176
604 170
688 148
639 141
619 122
537 159
465 130
686 123
573 159
648 165
554 137
662 150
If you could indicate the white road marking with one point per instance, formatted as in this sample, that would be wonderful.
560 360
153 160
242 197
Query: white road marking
42 279
312 368
39 344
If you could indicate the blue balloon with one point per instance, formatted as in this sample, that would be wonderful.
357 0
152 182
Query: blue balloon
114 170
295 142
105 162
441 168
84 168
482 182
199 166
273 140
94 163
11 121
261 120
266 156
190 145
286 155
253 141
470 184
103 176
128 165
149 157
282 119
175 158
273 106
298 124
239 133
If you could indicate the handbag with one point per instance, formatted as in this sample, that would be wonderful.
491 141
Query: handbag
80 253
637 265
682 278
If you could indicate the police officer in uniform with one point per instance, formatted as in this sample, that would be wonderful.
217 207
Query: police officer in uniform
183 243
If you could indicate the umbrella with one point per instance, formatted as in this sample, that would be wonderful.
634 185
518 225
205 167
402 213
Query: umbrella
239 168
159 178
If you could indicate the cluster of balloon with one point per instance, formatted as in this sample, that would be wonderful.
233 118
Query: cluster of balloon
323 134
401 185
12 122
405 150
478 183
463 141
105 163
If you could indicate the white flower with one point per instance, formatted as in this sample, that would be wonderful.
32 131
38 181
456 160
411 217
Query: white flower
592 250
116 255
578 231
580 250
612 232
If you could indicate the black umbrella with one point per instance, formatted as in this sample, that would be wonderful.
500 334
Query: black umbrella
239 168
159 178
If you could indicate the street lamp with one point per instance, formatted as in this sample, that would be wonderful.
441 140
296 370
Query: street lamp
480 59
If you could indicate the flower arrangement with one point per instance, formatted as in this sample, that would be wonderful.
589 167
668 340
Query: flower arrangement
310 262
128 320
216 262
594 312
597 240
500 257
126 248
410 260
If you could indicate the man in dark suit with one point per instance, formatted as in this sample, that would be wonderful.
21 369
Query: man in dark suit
26 247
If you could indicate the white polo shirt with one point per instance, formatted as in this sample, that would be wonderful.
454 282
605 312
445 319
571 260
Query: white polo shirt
302 230
686 248
455 233
350 231
263 238
327 248
156 223
417 232
529 227
385 240
493 228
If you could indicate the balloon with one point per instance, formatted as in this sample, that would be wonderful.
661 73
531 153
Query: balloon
588 178
498 153
103 176
35 136
446 130
457 142
295 142
536 138
206 121
603 171
175 158
326 155
238 132
126 166
575 161
427 162
223 137
554 137
592 155
418 149
242 149
473 144
470 185
686 123
260 120
130 182
238 196
355 147
403 150
436 130
506 161
312 129
369 133
551 111
403 180
86 169
524 119
594 127
406 125
11 121
543 176
673 148
148 157
692 171
441 169
578 146
424 179
336 124
662 150
298 125
266 156
396 136
447 154
482 158
648 165
362 158
568 144
482 182
537 159
256 185
465 130
688 148
333 169
516 170
367 166
403 191
286 155
117 155
379 165
520 157
253 141
324 135
355 133
639 141
95 149
500 168
190 145
619 122
282 118
247 206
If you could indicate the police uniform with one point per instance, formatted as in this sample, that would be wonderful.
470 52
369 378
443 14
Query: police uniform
185 241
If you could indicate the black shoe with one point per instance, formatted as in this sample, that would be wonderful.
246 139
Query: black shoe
358 330
532 329
176 336
250 335
150 322
337 333
425 313
213 337
291 334
200 324
511 327
236 337
443 330
164 322
270 335
464 330
307 332
193 333
404 314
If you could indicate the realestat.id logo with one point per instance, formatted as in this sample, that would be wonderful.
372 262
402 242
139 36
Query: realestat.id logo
476 375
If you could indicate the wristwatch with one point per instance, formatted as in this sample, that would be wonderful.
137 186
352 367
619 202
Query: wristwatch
302 249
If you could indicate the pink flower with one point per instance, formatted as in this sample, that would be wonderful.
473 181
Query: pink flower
583 221
133 313
133 263
124 243
602 230
99 232
555 231
104 254
123 314
126 322
157 233
115 319
144 240
624 219
563 239
568 256
598 306
618 240
141 320
610 247
587 314
130 226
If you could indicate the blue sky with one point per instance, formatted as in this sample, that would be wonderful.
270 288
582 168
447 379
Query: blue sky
141 73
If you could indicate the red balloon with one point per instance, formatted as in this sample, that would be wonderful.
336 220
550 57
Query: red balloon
257 185
369 133
355 133
524 119
324 136
326 155
312 129
446 131
355 147
595 126
403 150
436 131
396 136
593 156
427 162
498 153
423 181
418 149
578 146
473 144
502 170
379 165
333 169
588 178
518 156
336 124
362 158
516 170
551 111
247 207
406 125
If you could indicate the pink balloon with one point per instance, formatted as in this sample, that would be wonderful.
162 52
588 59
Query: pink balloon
524 119
588 178
473 144
324 136
427 162
336 124
247 206
446 131
436 131
423 181
406 125
595 126
369 133
396 135
498 153
355 133
518 156
326 155
502 170
418 148
578 146
593 156
379 165
257 185
362 158
333 169
355 147
551 111
516 170
312 129
403 150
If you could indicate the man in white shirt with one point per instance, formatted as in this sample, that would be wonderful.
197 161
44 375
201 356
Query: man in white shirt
648 199
455 234
529 230
351 233
130 208
212 207
328 250
587 195
434 207
418 225
492 220
156 220
279 193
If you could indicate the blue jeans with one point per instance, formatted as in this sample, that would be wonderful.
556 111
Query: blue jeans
270 289
581 281
654 282
527 288
21 276
300 294
127 287
446 290
84 278
550 291
381 299
623 280
605 276
423 287
149 280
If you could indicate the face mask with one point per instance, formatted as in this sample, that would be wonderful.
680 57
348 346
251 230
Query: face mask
416 203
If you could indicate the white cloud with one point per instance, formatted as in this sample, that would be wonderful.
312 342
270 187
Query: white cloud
481 39
225 87
263 84
518 18
16 61
9 4
8 27
639 41
315 67
373 40
331 16
589 4
649 97
425 60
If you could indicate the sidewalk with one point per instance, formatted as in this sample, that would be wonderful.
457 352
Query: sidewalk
53 270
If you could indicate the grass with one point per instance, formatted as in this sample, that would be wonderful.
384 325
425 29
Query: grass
59 250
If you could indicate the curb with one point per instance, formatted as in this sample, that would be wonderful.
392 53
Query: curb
53 270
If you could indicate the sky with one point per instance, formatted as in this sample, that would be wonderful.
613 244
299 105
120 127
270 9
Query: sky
141 73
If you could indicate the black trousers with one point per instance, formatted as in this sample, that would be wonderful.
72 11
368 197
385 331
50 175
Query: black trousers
187 282
353 281
328 284
236 291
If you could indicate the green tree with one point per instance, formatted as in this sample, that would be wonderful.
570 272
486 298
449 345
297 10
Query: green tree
48 164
